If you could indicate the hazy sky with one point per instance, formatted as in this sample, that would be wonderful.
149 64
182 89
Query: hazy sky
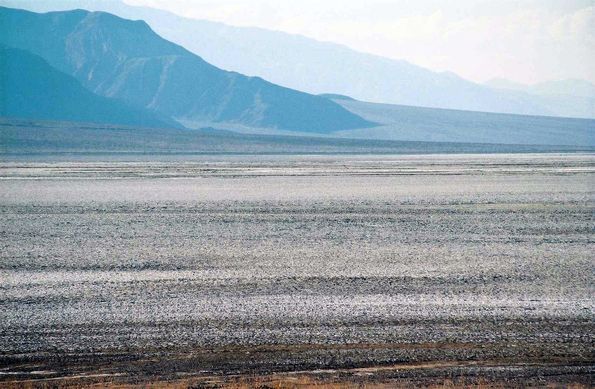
521 40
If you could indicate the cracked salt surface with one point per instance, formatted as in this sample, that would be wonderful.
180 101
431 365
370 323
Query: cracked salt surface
288 250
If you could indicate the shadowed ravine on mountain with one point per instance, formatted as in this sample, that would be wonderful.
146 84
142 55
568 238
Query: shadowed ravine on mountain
32 89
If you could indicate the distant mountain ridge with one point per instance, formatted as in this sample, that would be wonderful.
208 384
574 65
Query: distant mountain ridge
570 87
31 88
124 59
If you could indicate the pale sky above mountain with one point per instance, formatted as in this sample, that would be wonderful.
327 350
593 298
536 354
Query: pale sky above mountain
525 41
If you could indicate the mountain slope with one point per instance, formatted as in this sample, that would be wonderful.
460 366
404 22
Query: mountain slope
407 123
31 88
567 97
570 87
125 59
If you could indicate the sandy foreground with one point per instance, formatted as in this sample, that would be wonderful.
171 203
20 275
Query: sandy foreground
324 271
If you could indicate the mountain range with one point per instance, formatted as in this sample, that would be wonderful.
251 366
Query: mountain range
95 67
125 60
320 67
